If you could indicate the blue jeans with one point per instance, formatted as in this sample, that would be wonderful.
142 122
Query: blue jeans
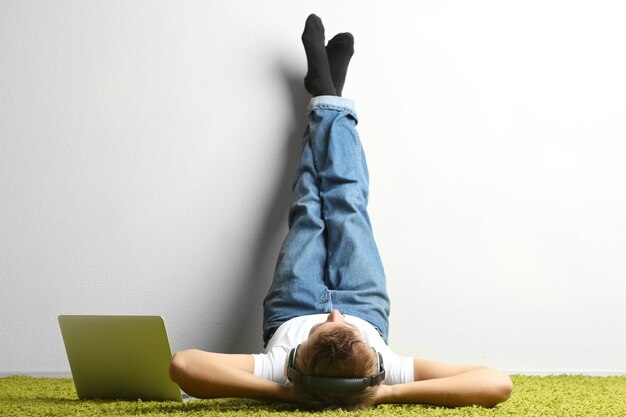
329 259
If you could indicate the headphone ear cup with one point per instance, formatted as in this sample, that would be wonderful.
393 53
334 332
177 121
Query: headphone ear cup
290 364
287 364
294 355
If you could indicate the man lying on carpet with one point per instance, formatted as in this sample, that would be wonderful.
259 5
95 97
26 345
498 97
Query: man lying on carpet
329 262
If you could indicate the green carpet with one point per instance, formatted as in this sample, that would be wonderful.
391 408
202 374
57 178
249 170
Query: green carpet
553 396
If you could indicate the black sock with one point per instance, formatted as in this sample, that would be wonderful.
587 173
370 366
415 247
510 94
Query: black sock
339 51
318 80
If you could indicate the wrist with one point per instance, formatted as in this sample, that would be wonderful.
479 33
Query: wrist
286 393
384 394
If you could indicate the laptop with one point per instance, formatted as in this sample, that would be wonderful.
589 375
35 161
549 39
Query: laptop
119 357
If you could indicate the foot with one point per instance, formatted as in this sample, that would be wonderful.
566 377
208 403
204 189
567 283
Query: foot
339 50
318 80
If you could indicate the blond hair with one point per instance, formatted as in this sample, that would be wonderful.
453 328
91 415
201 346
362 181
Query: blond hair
336 353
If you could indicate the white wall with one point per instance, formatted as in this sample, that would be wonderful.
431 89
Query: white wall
147 149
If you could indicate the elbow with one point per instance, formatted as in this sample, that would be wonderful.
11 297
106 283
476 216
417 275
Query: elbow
504 388
500 391
179 367
176 364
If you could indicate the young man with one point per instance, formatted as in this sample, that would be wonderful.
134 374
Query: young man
326 313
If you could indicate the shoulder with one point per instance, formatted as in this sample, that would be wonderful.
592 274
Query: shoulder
369 332
271 364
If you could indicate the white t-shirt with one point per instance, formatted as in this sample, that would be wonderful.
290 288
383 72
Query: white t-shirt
271 364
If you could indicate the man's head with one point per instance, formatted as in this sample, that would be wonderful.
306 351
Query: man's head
335 348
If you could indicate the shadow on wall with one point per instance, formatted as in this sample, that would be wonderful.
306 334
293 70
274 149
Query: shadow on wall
243 333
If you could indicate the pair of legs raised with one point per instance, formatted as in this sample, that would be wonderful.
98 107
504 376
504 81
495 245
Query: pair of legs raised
329 259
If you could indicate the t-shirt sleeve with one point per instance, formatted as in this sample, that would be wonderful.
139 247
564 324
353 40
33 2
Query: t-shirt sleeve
271 365
398 369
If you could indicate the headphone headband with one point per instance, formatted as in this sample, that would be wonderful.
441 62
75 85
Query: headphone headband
333 384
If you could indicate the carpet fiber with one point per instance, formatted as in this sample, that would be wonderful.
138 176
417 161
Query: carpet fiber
553 396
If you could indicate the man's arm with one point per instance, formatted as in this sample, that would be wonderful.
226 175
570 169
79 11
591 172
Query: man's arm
216 375
449 385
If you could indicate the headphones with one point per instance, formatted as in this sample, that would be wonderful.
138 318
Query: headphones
333 384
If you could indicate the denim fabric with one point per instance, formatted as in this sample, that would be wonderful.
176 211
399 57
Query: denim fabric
329 259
